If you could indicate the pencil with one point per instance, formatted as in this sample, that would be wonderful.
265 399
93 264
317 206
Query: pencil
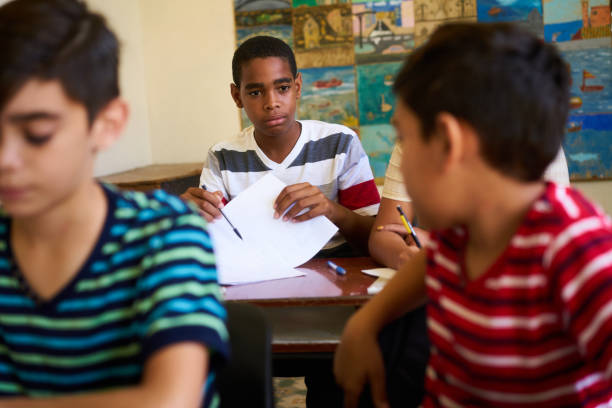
408 226
226 219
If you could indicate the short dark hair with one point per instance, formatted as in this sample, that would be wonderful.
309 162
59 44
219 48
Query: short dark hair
261 46
509 85
63 40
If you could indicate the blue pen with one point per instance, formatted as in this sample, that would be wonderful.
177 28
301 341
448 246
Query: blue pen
225 216
339 270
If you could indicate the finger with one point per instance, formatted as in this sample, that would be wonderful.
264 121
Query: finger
395 228
206 216
350 399
377 384
288 190
291 198
308 202
209 208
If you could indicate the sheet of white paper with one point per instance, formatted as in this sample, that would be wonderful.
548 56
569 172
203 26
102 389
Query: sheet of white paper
271 247
386 273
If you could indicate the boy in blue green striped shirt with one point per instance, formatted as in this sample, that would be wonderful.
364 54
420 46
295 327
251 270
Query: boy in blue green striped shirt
106 298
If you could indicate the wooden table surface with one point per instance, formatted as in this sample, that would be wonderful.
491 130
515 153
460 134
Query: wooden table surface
308 313
321 286
155 173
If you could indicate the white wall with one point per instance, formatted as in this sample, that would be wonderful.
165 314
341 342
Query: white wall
134 147
188 48
598 191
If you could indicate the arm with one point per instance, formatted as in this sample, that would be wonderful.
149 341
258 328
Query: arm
353 226
385 244
358 359
173 377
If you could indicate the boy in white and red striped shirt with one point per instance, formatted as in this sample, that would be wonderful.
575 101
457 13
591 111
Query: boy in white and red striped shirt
518 276
326 170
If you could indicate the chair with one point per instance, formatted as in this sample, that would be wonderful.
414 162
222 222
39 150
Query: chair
246 381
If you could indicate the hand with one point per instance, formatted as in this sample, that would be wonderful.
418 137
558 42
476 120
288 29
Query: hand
208 202
357 362
302 196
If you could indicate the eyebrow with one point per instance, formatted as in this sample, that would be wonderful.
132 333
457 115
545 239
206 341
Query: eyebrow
255 85
32 116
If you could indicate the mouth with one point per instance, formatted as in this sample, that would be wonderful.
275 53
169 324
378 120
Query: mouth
275 121
12 193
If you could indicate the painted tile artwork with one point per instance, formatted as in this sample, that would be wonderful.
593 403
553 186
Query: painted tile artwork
328 94
275 23
429 14
350 51
323 35
570 20
588 140
524 12
383 30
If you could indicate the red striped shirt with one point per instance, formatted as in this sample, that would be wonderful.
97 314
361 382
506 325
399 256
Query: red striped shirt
535 329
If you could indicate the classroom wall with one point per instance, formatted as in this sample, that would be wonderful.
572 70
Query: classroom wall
134 147
188 48
599 191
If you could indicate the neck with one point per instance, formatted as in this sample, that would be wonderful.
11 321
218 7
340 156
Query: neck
501 206
86 207
278 147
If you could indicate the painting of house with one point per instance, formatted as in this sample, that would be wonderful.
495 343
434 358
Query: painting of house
570 20
275 23
322 35
429 14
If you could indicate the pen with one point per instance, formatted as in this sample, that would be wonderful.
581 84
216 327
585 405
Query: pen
225 216
408 226
339 270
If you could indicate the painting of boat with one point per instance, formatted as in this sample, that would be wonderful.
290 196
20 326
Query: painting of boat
589 88
494 11
332 83
574 126
575 102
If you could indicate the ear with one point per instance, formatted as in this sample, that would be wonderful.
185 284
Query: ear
451 135
109 124
298 85
235 92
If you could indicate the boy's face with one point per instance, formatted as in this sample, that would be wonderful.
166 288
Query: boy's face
47 148
268 93
422 166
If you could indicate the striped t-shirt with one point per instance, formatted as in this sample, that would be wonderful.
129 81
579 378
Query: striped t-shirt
535 330
149 282
328 156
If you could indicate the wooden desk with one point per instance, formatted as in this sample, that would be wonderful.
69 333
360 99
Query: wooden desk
308 313
174 178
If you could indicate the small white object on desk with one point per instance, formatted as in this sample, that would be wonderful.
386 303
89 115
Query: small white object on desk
383 275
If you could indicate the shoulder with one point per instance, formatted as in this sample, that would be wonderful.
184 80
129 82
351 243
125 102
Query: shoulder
148 214
316 129
578 228
240 143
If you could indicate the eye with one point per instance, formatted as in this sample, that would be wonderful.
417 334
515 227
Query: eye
284 88
254 93
36 139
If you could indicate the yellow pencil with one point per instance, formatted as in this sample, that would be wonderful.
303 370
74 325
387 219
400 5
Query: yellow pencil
408 226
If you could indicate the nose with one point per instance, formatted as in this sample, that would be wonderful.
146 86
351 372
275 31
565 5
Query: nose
10 153
271 102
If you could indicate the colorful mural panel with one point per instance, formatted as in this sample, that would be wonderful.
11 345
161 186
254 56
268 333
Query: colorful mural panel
383 30
349 53
328 94
378 141
570 20
375 90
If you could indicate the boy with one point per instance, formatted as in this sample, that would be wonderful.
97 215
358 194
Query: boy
324 165
106 299
519 275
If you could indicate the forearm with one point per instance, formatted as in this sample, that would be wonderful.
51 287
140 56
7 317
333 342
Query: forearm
132 397
354 227
404 292
386 247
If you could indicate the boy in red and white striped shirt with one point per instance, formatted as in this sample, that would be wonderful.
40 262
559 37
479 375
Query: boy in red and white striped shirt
518 276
